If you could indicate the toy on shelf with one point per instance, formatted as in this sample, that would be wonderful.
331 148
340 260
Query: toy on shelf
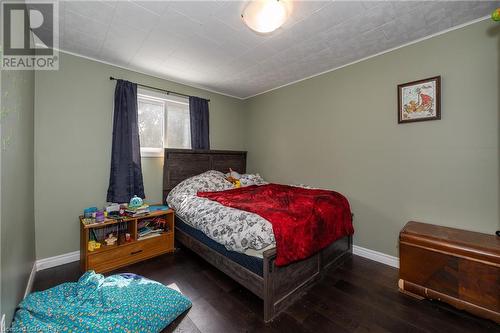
99 216
111 239
135 202
93 245
113 208
121 212
88 220
89 215
89 212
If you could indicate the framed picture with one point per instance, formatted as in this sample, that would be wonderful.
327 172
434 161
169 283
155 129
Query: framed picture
419 100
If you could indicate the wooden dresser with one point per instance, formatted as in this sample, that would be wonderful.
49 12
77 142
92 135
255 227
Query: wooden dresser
455 266
108 258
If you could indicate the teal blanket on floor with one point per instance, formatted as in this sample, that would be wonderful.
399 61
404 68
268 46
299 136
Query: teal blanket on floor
118 303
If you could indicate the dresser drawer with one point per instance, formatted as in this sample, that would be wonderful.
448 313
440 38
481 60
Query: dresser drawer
109 259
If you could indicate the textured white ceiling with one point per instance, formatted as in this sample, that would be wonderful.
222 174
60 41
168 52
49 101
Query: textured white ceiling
206 44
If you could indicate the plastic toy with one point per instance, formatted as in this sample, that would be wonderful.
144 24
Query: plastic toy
87 212
135 202
99 216
495 15
93 245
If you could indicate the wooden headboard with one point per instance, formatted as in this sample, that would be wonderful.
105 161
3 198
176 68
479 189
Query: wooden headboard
179 164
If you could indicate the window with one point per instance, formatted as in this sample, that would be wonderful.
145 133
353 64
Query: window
163 122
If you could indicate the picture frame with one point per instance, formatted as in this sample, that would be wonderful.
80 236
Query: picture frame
419 100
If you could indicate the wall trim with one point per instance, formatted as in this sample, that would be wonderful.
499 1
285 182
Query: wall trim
421 39
376 256
62 259
31 280
201 87
66 258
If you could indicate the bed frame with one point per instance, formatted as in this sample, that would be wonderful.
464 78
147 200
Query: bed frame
279 286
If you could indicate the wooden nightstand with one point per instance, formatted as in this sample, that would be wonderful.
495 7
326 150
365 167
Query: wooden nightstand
110 257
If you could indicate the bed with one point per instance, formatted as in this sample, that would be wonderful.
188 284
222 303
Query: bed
277 286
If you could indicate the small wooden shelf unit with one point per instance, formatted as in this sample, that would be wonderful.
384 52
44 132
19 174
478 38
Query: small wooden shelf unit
108 258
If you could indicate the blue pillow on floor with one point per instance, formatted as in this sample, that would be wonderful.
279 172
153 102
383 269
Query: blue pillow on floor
118 303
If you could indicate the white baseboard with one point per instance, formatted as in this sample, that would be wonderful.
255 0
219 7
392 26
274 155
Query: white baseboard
376 256
66 258
31 279
62 259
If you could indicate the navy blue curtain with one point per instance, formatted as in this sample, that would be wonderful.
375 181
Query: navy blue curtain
198 113
125 179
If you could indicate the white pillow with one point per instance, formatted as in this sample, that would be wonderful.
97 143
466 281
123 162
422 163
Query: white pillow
206 182
248 179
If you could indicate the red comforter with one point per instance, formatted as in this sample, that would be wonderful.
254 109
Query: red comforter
304 220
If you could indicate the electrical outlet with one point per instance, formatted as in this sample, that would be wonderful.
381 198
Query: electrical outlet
2 324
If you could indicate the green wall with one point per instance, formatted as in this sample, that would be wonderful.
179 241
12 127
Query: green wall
336 131
73 124
17 218
339 131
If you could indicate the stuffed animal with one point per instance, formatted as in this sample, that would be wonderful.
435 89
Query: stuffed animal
111 239
234 178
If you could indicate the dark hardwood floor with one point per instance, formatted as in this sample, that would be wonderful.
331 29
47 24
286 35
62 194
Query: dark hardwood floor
360 296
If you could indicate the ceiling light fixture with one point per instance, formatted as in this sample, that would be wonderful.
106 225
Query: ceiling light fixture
265 16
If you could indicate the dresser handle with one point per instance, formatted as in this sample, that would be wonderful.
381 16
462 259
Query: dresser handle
135 252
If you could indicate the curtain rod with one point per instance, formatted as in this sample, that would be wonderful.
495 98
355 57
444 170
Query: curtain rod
160 89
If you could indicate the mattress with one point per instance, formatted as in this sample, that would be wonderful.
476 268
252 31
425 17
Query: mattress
237 230
252 263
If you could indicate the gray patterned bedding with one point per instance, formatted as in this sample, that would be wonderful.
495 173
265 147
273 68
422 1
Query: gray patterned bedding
237 230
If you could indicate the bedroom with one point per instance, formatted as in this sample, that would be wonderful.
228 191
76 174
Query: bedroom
313 102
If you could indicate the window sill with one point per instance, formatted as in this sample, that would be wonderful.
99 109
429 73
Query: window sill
151 156
151 153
